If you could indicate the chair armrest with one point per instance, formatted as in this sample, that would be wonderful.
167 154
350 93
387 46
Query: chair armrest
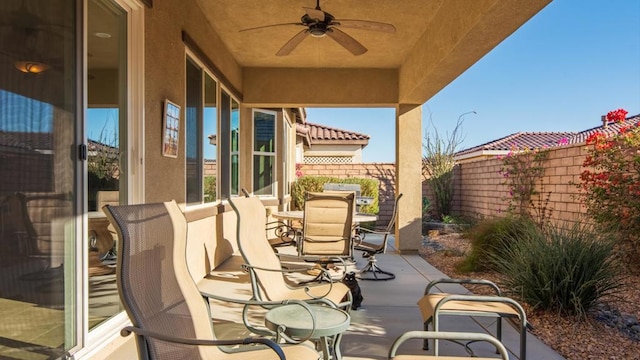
447 336
283 231
483 298
247 341
271 304
463 281
361 232
252 268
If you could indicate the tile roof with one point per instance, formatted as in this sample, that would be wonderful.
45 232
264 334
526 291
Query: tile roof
609 130
521 140
532 140
322 134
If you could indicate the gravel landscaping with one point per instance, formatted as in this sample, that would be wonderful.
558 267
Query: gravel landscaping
611 331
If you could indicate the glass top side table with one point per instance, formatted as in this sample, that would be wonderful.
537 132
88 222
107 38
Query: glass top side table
296 322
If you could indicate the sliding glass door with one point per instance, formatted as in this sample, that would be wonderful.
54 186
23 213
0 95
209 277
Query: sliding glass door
39 161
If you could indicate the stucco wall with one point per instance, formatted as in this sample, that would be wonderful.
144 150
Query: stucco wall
165 79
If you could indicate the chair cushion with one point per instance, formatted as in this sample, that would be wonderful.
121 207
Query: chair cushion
427 305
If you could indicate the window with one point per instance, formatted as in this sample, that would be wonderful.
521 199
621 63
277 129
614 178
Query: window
264 152
286 172
201 135
235 147
212 124
229 146
193 125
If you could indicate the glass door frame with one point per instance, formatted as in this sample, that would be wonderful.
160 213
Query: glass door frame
92 342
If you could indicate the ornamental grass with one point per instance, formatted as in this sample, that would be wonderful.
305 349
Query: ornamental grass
567 270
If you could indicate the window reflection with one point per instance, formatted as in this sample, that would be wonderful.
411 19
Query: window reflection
37 187
106 125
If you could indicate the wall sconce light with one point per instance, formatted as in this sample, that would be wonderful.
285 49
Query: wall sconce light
31 67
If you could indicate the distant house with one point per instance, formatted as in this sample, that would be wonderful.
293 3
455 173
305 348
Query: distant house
607 128
519 141
533 140
321 144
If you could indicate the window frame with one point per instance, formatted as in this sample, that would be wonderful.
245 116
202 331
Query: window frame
273 155
224 122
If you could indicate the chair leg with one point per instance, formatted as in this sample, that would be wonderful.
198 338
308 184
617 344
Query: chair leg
425 342
376 272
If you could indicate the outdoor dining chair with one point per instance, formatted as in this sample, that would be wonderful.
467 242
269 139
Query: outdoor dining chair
327 228
169 317
372 271
266 273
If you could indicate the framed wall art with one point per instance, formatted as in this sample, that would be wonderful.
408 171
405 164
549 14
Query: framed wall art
170 129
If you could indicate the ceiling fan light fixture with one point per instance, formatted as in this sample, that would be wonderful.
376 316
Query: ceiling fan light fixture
318 32
31 67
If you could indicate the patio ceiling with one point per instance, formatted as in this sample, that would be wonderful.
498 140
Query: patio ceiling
435 41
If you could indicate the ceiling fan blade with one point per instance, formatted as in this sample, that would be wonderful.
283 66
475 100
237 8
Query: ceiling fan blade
366 25
315 13
346 41
272 25
292 43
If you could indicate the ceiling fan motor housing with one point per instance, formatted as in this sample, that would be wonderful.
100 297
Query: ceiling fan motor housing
317 27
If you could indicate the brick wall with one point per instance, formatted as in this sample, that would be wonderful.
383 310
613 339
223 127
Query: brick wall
385 173
480 193
210 168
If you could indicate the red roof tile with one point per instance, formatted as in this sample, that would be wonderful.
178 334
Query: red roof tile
610 129
521 141
321 134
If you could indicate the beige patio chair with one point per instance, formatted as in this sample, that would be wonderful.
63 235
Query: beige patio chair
265 270
435 304
372 271
41 232
442 335
170 318
327 228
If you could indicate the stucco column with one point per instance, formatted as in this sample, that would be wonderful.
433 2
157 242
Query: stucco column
408 232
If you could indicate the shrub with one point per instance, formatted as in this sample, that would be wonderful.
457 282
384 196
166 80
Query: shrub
566 270
610 181
209 188
492 237
521 170
368 187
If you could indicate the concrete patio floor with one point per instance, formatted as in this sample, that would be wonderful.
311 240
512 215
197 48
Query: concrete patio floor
390 309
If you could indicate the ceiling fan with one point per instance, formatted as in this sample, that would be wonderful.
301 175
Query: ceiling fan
319 23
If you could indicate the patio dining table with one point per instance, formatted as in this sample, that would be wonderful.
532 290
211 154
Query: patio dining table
298 215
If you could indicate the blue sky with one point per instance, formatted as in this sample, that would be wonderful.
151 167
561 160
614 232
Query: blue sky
571 63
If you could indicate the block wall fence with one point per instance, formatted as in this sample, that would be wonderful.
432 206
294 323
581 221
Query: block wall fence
479 190
480 193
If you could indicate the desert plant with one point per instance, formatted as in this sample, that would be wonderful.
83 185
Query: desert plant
426 204
438 164
521 170
491 238
567 270
104 155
